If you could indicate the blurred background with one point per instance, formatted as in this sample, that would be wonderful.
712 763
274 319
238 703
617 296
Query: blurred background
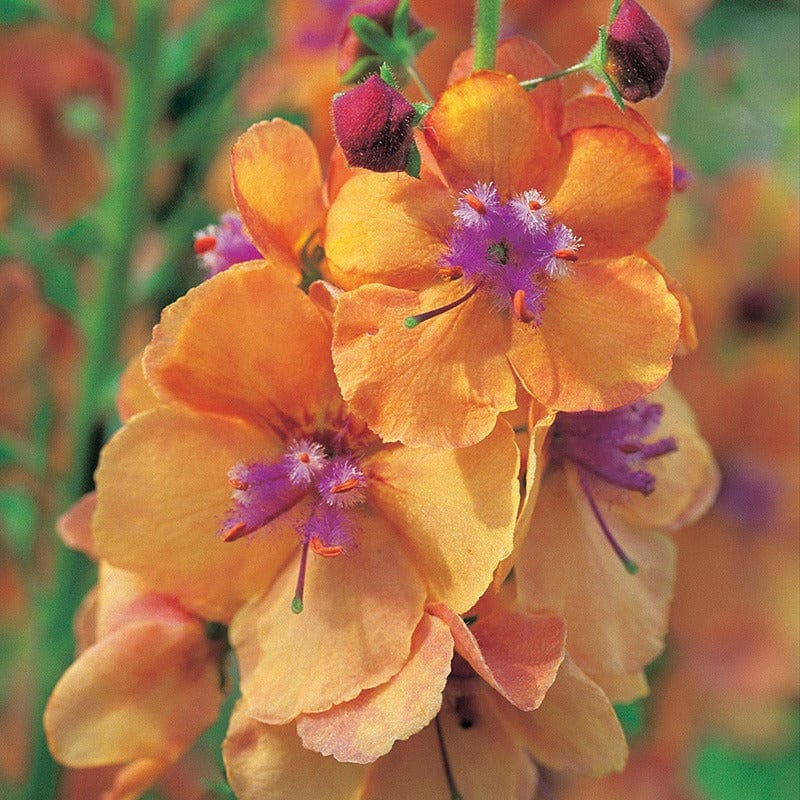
116 120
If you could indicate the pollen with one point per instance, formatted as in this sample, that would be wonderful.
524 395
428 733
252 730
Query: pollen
521 311
326 551
566 255
204 244
475 203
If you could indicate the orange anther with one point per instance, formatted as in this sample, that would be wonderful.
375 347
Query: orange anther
242 486
304 457
450 273
234 533
326 550
475 203
520 309
566 255
345 486
534 205
202 244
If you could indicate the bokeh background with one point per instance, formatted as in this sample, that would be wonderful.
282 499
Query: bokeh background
116 118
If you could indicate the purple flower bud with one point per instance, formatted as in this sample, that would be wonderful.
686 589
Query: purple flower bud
373 124
351 48
637 53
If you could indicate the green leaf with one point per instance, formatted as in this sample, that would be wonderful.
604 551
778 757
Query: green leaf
421 39
365 65
13 12
400 20
420 110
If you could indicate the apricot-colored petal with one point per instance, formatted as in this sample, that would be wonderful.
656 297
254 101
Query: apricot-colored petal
135 393
162 495
361 610
267 762
615 621
688 334
611 189
485 128
387 228
247 343
146 691
687 480
591 110
277 183
620 687
453 510
575 727
517 654
540 420
523 59
365 728
74 526
440 384
132 779
485 762
607 337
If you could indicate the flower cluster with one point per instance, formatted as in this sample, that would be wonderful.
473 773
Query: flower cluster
320 455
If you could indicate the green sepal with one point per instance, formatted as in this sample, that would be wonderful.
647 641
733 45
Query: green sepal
365 65
596 64
400 19
14 12
420 110
421 39
414 161
387 76
373 36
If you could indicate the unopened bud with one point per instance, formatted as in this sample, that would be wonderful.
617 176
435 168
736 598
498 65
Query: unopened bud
637 53
374 126
351 47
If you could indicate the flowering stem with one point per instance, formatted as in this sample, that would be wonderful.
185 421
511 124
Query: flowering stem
487 30
415 76
534 82
101 327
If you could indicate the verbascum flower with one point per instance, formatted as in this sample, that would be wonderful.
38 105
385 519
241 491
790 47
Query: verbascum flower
509 703
602 489
250 487
516 256
146 683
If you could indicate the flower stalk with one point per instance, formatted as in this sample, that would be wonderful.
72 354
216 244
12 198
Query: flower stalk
487 32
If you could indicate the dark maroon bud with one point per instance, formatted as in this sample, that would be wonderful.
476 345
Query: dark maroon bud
373 124
637 53
351 48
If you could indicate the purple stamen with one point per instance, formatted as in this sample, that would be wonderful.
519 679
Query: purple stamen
629 564
219 247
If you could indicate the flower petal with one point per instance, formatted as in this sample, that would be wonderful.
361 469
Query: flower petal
607 337
575 727
516 653
615 621
485 128
453 510
611 189
484 760
146 691
687 480
74 526
247 343
361 610
277 183
266 762
387 228
442 383
135 393
162 495
365 728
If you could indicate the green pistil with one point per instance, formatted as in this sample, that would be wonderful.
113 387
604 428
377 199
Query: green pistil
411 322
297 605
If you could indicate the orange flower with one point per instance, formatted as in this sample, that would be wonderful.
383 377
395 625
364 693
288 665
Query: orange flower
252 437
494 719
146 682
600 488
515 256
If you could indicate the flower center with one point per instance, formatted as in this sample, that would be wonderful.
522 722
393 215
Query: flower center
218 247
506 250
262 491
610 445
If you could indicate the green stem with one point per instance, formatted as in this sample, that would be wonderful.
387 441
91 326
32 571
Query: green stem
415 76
534 82
487 31
124 211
